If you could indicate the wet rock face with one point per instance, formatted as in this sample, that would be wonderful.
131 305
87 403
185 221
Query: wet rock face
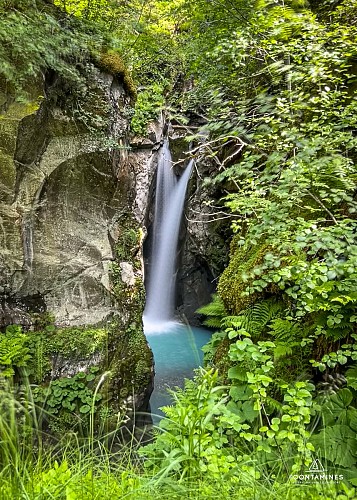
204 250
17 310
64 190
73 201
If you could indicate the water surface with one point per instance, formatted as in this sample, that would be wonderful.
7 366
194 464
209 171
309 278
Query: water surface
177 352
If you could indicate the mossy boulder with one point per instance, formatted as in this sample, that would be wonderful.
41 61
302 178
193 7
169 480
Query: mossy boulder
78 370
234 285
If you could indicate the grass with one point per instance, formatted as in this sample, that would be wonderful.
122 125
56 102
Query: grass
33 468
81 476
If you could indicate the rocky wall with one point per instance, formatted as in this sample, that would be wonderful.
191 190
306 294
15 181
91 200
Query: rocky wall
73 199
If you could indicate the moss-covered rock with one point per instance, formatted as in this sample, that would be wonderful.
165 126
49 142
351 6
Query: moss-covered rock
112 63
70 242
234 286
81 370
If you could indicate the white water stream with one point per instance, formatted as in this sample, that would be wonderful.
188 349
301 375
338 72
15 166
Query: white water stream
170 199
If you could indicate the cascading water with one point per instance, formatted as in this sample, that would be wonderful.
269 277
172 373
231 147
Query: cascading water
169 204
178 352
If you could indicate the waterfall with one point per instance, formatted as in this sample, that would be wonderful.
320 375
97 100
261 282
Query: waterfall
169 204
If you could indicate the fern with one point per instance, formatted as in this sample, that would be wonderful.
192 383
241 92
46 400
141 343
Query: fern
13 350
284 330
215 311
287 336
255 318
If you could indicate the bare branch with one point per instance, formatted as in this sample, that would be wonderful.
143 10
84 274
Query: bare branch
322 205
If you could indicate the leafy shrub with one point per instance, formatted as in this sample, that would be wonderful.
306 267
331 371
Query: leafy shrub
149 103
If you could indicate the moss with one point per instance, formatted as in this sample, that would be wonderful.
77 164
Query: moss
74 344
120 350
7 170
130 359
236 278
129 242
76 341
221 357
130 362
112 63
66 364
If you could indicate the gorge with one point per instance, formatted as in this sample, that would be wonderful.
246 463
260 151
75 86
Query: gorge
74 215
186 164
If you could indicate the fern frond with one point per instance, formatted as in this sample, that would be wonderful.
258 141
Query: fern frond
212 322
284 349
215 311
284 330
256 317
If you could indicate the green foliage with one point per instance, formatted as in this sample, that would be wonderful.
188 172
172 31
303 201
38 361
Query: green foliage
144 33
214 311
265 319
63 403
340 357
63 481
129 242
280 116
16 435
256 319
210 349
276 88
191 441
207 420
336 441
14 352
36 38
252 378
74 343
73 395
91 470
149 103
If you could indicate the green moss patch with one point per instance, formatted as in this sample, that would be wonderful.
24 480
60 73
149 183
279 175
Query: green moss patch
235 281
112 63
7 170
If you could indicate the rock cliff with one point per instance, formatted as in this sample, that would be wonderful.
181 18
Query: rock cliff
73 198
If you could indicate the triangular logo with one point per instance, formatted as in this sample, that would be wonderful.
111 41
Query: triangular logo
316 466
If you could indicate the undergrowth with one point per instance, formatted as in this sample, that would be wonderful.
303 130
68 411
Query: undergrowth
190 455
